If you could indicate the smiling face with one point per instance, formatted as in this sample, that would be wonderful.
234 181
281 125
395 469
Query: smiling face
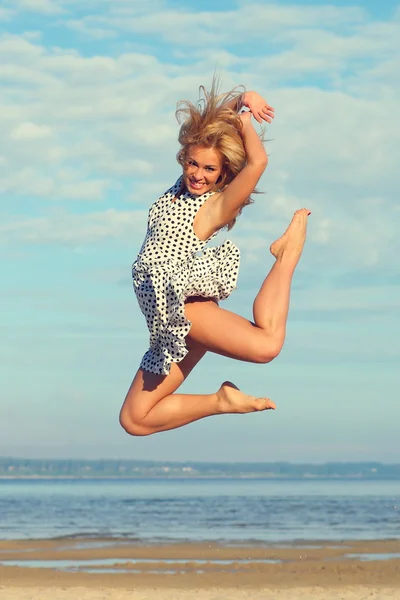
201 170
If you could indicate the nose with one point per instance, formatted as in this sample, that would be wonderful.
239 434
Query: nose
198 174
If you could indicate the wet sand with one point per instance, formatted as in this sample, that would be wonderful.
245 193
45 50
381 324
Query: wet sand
206 571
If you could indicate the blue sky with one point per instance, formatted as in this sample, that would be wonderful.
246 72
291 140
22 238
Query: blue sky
88 141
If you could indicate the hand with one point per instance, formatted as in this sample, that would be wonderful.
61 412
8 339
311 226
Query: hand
258 107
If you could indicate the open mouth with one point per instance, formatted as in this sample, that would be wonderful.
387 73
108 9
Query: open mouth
195 185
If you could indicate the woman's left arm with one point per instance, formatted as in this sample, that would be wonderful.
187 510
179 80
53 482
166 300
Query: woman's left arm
236 193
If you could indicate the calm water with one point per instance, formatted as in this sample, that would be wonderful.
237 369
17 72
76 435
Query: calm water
234 510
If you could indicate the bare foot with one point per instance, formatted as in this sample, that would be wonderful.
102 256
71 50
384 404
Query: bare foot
232 400
292 241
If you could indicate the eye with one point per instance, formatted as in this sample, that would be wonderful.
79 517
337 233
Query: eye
210 169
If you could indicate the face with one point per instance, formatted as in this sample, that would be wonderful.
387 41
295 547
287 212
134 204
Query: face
201 170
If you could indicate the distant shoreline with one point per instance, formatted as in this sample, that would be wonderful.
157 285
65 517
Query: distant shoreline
28 468
199 477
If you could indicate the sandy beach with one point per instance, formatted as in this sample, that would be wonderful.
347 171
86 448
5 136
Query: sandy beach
213 593
208 571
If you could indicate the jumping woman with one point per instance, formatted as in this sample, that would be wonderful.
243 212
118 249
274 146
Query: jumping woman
179 283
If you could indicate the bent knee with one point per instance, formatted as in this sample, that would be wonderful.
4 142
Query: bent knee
267 352
133 426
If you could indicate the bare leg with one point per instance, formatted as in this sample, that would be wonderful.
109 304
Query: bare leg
271 306
229 334
151 406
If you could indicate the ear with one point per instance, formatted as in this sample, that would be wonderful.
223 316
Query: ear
222 177
224 172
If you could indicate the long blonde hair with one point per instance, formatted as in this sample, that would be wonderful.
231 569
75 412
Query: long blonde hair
211 123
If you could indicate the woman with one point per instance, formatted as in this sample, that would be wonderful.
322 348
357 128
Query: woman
178 283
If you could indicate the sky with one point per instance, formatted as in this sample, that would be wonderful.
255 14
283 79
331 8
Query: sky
88 138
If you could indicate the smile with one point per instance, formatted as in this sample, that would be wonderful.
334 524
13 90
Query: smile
195 184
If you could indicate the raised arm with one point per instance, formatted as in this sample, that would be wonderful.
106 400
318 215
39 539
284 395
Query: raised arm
236 193
259 108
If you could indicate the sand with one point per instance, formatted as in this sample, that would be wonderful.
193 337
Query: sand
309 593
207 571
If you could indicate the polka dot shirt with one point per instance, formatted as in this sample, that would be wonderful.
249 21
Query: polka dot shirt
172 265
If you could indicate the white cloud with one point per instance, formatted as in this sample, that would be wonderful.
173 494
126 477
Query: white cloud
28 182
69 229
100 155
92 111
91 31
30 131
85 190
364 300
46 7
334 148
6 14
255 20
16 49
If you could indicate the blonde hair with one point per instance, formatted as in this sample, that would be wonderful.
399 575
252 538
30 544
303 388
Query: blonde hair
211 123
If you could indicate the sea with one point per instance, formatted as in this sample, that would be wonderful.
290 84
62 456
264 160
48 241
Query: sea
221 510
